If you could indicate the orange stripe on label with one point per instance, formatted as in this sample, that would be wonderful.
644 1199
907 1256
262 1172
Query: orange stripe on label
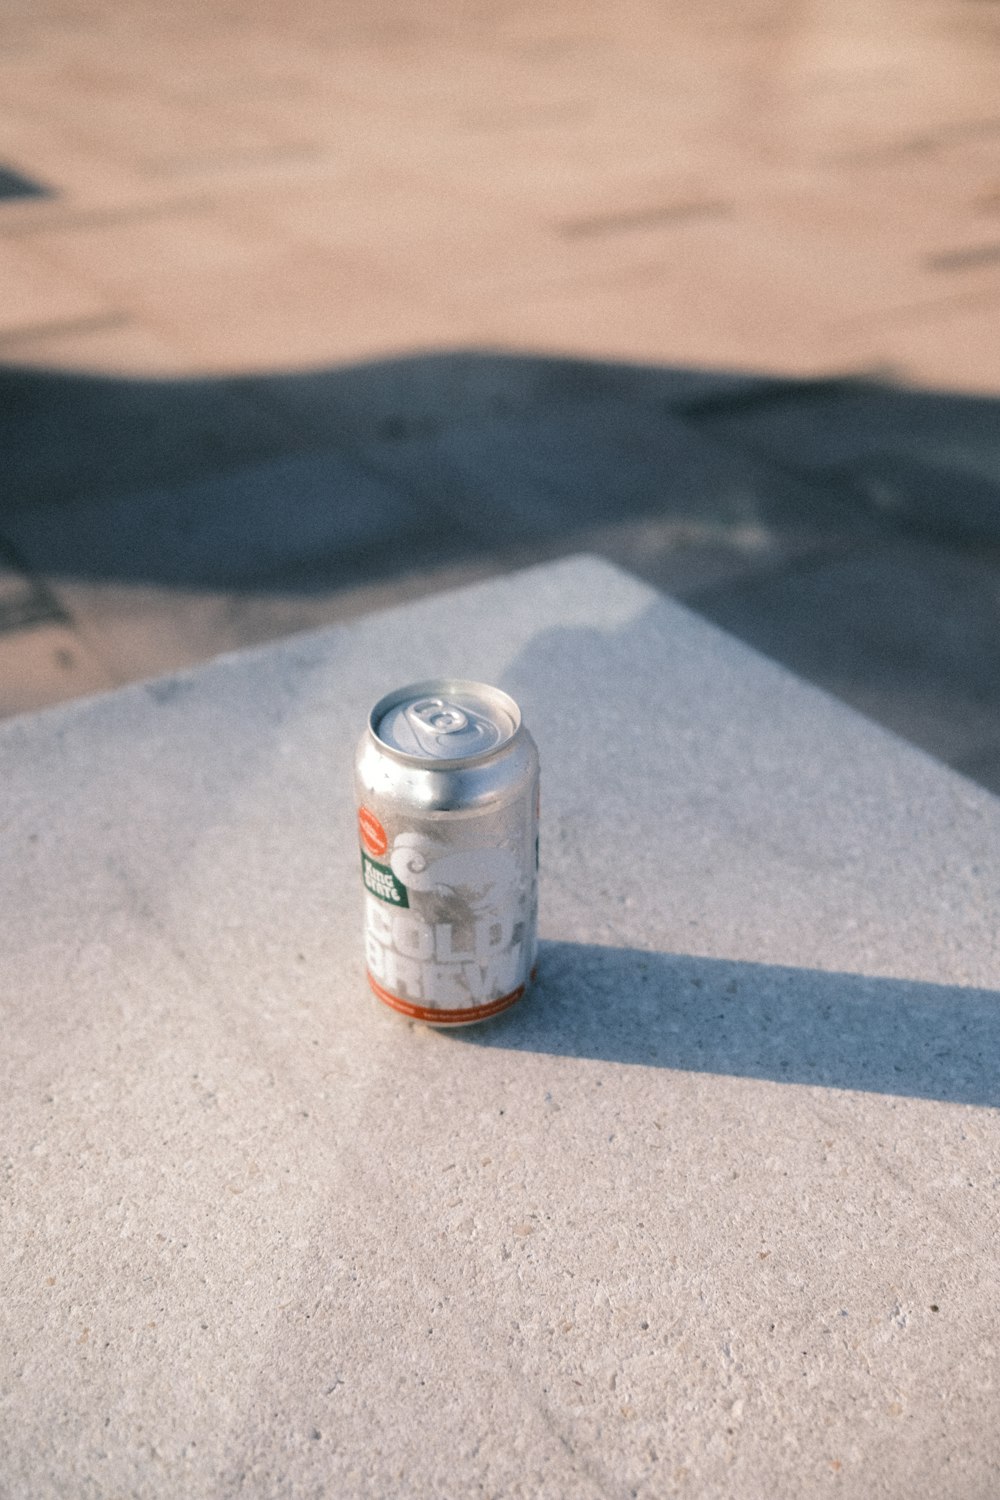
446 1017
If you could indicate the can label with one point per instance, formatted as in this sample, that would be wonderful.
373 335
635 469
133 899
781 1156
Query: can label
382 883
449 918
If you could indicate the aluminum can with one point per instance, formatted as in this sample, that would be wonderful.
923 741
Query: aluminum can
447 785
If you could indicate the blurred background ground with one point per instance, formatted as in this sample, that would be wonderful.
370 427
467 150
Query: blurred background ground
308 307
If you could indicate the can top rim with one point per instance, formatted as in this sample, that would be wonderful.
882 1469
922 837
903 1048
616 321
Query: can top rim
480 718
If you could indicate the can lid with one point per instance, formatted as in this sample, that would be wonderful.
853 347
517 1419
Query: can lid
445 719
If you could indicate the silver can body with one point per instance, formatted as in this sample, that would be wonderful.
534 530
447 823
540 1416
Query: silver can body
446 777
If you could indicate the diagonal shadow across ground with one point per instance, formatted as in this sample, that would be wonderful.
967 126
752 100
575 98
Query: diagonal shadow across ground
850 529
748 1020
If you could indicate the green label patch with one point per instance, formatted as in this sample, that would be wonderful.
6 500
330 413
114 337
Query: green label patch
382 883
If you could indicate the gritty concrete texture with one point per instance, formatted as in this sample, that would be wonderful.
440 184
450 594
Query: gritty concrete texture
712 1213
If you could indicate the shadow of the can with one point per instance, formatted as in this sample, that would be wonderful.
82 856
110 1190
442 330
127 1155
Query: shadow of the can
789 1025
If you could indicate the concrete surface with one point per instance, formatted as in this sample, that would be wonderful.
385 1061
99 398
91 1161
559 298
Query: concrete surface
713 1213
513 281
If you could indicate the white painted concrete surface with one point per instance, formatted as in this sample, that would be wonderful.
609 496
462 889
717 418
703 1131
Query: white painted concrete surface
712 1213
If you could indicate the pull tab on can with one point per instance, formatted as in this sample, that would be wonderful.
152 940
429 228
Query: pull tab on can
436 714
442 728
449 725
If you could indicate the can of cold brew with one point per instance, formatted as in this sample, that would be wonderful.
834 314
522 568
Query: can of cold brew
447 785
